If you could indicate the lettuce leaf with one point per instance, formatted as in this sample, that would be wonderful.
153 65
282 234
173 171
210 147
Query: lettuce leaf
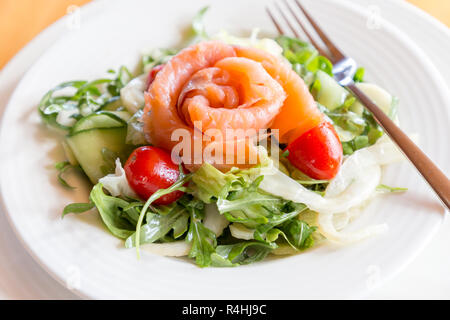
211 184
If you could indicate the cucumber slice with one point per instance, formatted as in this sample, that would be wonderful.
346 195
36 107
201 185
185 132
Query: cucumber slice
331 95
113 105
103 119
87 148
124 115
69 154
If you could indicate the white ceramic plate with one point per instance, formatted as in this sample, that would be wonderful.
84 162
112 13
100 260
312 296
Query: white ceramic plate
80 252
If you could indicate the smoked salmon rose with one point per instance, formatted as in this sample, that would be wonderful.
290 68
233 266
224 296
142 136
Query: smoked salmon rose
211 88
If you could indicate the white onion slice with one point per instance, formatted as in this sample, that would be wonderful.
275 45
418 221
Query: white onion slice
358 190
117 183
239 231
381 153
328 229
214 221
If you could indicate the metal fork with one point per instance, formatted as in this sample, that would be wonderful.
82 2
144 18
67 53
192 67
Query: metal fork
344 70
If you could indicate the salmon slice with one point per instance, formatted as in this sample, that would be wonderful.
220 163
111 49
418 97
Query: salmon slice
161 116
206 87
256 98
299 112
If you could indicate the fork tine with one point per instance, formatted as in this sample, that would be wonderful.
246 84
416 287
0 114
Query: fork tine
337 54
311 39
280 30
294 31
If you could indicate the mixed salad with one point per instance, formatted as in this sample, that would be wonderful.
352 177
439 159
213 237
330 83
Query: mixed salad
325 168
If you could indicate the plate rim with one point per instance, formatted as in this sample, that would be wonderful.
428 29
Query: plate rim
350 6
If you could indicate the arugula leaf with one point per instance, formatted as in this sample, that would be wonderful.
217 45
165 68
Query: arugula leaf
288 211
347 120
62 167
298 234
239 199
241 253
159 225
77 208
111 210
179 185
202 239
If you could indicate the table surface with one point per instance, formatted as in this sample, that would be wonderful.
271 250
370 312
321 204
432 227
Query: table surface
424 278
38 14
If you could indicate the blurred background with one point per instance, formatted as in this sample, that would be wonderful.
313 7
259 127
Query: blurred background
22 20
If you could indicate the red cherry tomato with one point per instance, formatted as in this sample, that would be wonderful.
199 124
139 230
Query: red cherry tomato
317 152
152 75
149 169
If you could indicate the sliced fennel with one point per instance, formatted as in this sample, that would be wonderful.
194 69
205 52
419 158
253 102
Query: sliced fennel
178 248
213 220
355 183
239 231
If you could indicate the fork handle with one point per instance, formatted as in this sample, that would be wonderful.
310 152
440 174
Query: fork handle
431 173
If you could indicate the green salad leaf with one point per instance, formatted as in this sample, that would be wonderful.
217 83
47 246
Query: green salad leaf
112 212
77 208
202 239
298 234
178 185
159 222
246 252
356 128
81 98
62 167
211 184
305 59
